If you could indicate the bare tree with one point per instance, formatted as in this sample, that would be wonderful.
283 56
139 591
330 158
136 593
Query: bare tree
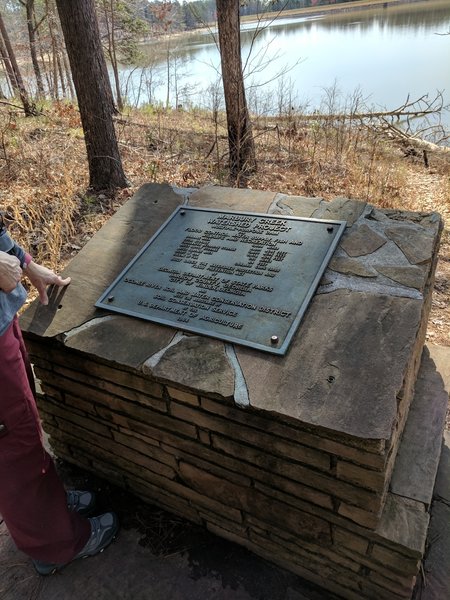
93 88
29 8
162 12
121 27
10 77
51 21
110 25
240 138
65 62
14 71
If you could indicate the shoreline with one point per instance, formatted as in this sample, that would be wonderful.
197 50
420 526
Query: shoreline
314 11
310 11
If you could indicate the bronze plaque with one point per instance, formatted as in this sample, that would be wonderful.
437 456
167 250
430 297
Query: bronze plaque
246 278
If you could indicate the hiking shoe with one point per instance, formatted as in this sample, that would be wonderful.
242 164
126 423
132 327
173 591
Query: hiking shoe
103 530
80 501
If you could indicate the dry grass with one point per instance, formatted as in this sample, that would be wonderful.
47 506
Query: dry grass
43 170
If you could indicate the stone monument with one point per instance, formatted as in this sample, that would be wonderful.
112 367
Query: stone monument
321 459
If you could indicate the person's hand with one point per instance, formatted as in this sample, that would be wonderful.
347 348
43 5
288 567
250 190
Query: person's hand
10 272
41 277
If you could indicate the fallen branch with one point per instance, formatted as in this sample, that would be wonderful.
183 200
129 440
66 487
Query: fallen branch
366 115
412 140
410 108
10 104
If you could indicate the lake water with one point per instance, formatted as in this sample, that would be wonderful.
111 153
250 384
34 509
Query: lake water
386 53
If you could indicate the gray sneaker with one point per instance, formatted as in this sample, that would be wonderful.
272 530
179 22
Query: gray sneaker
103 530
81 501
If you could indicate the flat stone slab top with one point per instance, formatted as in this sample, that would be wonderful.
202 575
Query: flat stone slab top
336 374
349 358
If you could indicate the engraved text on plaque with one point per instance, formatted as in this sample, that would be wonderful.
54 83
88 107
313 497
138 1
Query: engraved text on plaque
242 277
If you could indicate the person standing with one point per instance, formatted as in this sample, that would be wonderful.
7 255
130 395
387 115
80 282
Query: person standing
46 522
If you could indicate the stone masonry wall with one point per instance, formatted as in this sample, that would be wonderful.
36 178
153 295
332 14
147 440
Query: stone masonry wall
240 474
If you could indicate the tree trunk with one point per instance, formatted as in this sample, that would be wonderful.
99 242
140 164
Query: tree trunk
29 7
93 88
65 62
17 78
61 72
108 12
240 138
168 73
51 19
42 55
11 78
68 75
113 56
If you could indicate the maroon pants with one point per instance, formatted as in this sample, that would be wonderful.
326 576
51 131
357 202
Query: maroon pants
32 498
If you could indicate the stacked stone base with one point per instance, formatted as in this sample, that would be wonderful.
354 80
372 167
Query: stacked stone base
238 473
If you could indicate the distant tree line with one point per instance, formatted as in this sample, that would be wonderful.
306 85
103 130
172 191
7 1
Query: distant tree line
190 15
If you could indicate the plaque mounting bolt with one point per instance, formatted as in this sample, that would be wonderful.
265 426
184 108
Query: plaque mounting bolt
110 298
182 212
330 229
274 339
